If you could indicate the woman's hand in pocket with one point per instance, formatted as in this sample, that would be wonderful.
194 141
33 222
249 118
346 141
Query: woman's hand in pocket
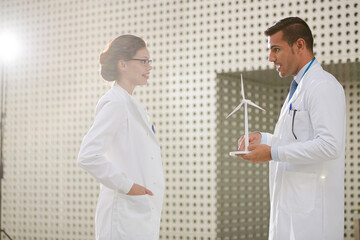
136 189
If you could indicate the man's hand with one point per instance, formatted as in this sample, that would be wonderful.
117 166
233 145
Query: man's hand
259 153
139 190
254 138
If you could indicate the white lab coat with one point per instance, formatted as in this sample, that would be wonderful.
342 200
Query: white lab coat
307 183
121 149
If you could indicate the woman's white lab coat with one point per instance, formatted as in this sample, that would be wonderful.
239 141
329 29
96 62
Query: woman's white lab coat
307 183
119 150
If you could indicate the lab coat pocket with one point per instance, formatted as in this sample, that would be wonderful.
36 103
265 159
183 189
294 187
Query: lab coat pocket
301 125
298 192
132 215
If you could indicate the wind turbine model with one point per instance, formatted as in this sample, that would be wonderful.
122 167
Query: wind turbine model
244 102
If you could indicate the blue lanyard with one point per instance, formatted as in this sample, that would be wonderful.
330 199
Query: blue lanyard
302 78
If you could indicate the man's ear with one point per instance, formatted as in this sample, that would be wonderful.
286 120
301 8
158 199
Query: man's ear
300 45
121 65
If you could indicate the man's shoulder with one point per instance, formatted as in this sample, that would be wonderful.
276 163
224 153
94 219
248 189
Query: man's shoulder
321 78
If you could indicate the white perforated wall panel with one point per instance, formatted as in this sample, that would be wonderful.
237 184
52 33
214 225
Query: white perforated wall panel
53 88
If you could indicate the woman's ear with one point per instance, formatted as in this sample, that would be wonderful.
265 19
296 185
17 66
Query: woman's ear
121 65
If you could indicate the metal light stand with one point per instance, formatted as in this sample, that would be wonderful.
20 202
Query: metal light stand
2 112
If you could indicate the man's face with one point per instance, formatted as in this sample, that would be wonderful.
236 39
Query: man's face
282 55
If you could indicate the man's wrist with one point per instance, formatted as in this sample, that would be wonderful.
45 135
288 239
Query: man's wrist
263 138
275 154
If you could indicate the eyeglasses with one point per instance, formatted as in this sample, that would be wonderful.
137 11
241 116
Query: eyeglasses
146 62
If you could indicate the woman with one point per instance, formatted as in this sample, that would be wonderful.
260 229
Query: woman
121 151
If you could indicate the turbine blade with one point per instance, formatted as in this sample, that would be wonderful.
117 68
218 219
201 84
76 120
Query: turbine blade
235 110
242 87
254 105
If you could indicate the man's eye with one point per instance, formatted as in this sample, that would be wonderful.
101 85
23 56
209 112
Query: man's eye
144 61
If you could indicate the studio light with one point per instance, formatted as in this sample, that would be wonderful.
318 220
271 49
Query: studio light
10 49
10 46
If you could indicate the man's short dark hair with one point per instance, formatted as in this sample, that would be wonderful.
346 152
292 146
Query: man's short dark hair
293 28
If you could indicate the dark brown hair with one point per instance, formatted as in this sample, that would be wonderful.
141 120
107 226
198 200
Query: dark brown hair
123 47
293 28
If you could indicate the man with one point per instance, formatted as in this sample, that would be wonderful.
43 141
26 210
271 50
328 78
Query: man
307 150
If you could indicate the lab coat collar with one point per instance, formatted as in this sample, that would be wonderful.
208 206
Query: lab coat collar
301 72
304 82
139 110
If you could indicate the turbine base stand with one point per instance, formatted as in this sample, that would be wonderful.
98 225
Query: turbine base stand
234 154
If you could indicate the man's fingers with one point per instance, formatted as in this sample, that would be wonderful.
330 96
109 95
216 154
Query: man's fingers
239 155
246 156
241 143
252 147
255 138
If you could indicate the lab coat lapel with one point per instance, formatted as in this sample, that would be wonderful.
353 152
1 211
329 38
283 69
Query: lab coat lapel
285 110
304 83
281 119
137 110
143 118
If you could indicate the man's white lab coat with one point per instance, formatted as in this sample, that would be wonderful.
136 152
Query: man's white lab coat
121 149
307 183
